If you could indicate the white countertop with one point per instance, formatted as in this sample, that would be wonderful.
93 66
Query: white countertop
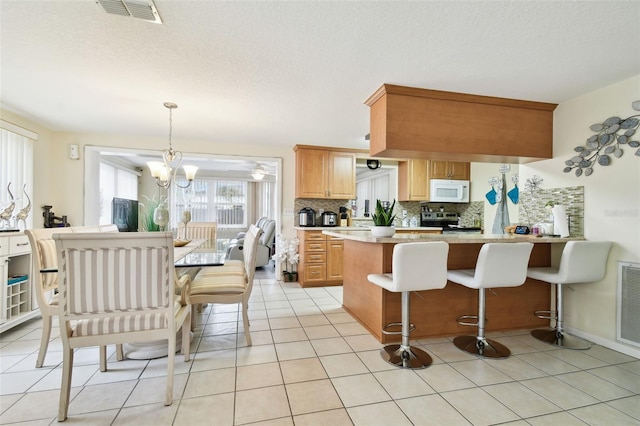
471 238
362 228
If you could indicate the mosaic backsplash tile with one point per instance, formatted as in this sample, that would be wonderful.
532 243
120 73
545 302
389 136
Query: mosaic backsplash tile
532 208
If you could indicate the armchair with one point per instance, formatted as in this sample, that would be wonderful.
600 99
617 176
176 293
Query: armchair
265 244
46 285
119 288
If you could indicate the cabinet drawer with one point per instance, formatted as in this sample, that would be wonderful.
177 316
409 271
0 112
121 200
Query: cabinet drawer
315 257
19 244
315 246
314 236
314 272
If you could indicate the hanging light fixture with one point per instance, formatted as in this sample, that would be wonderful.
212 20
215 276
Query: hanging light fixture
165 171
259 172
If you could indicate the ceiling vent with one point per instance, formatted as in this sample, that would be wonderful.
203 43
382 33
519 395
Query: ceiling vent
140 9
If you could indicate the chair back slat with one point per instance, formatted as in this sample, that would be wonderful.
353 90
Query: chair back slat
127 272
198 230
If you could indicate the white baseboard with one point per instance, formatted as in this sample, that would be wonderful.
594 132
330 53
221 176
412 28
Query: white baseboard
611 344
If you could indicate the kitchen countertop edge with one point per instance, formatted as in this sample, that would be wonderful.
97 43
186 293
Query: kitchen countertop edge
451 239
361 228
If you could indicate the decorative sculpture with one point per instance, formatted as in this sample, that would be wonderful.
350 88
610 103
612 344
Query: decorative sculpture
609 137
24 212
5 215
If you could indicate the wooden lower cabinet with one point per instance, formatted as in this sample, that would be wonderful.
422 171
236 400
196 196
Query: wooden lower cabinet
320 259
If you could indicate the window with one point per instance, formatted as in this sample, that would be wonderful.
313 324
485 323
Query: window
374 186
212 200
118 182
16 169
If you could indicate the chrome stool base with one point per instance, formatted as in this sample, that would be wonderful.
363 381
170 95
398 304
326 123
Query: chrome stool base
408 357
558 338
483 347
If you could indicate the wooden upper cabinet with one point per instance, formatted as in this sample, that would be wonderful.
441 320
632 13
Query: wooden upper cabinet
455 170
413 180
325 173
409 122
312 169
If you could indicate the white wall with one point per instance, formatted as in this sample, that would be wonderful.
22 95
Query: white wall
612 204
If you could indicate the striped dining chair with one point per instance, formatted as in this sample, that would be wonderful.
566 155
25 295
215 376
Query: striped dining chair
119 288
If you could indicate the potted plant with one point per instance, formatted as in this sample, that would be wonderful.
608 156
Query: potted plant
383 220
287 255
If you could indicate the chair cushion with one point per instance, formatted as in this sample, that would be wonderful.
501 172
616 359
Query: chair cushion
120 324
218 284
237 269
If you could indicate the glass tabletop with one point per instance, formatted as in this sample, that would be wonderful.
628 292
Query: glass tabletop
209 253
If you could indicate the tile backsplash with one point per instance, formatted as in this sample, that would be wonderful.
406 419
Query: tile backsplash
532 208
468 211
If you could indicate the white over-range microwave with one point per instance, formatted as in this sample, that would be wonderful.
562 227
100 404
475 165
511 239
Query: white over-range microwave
449 191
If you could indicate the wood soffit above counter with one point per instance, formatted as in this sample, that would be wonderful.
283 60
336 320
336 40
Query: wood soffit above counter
409 122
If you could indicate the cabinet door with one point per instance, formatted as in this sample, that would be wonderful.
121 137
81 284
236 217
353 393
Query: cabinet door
439 169
459 170
413 180
456 170
4 261
335 250
342 175
312 170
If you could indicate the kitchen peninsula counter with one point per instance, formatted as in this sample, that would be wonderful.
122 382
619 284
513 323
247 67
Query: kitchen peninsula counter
434 312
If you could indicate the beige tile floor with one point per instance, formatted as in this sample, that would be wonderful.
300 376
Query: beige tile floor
311 363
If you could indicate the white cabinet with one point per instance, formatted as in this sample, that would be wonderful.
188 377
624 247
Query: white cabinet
15 281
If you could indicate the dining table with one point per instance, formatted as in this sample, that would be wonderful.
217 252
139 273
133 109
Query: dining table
188 259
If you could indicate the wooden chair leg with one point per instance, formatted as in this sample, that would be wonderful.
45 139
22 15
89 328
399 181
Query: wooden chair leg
119 352
193 317
44 340
103 358
65 387
245 321
186 338
170 363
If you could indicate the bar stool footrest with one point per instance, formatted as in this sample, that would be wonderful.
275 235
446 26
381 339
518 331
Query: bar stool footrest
483 347
462 320
560 339
385 329
550 315
405 357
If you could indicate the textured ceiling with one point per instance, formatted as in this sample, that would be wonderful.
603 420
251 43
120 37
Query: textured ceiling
290 72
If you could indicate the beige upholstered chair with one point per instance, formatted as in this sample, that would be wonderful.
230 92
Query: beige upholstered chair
45 284
119 288
197 230
215 285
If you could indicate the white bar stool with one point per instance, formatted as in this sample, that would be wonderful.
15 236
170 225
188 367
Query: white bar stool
498 265
416 266
581 262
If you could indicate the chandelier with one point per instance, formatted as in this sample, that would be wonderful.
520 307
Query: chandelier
165 171
259 172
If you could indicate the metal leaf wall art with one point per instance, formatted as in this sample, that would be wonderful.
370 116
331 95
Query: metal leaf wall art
611 135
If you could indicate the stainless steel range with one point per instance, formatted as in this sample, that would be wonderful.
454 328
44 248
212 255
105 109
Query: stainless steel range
448 221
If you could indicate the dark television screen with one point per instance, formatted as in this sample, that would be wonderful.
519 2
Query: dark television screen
125 214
